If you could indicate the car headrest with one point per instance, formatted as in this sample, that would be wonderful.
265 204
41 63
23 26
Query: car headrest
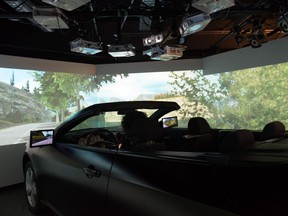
273 130
198 125
237 141
146 129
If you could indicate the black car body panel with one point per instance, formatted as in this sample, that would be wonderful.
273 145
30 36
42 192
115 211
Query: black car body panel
67 169
159 178
88 180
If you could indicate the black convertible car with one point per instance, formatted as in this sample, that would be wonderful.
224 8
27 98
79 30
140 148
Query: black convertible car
89 166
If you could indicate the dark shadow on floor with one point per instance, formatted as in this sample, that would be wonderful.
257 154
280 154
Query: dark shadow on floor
13 202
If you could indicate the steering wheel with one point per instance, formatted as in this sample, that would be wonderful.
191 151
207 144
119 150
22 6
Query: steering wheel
102 138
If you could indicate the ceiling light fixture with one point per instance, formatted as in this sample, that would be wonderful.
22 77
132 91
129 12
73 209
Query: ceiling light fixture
283 23
85 47
127 50
49 18
212 6
194 24
257 37
68 5
239 38
254 41
166 54
153 39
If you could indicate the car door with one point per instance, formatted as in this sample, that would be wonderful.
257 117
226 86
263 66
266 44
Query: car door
73 179
151 184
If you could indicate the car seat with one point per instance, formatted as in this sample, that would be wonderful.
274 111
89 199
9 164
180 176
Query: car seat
237 141
200 136
273 130
198 125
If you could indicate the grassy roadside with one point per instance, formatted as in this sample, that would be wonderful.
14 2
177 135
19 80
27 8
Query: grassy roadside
5 124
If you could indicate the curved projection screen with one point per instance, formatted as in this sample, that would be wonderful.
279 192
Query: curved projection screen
250 98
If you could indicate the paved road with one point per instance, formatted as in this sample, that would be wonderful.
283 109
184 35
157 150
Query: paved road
21 133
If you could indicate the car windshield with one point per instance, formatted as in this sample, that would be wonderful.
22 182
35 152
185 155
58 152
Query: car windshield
107 119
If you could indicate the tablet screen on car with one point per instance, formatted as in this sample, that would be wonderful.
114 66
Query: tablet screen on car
41 138
169 122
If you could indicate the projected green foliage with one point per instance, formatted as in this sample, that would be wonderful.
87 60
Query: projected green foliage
58 91
254 97
242 99
200 93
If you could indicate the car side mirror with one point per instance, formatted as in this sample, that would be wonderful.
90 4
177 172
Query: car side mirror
41 138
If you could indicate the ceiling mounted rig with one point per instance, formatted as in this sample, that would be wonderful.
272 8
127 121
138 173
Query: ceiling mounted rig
113 31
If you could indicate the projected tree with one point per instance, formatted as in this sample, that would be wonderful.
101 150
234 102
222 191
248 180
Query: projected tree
58 91
254 96
201 94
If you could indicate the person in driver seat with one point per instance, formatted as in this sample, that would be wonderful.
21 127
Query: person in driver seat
141 133
130 118
126 123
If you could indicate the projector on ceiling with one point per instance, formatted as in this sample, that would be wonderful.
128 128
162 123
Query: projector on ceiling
212 6
194 24
85 47
68 5
127 50
27 7
153 39
166 54
49 18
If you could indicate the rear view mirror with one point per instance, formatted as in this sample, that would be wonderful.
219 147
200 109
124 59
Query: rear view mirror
41 138
169 122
